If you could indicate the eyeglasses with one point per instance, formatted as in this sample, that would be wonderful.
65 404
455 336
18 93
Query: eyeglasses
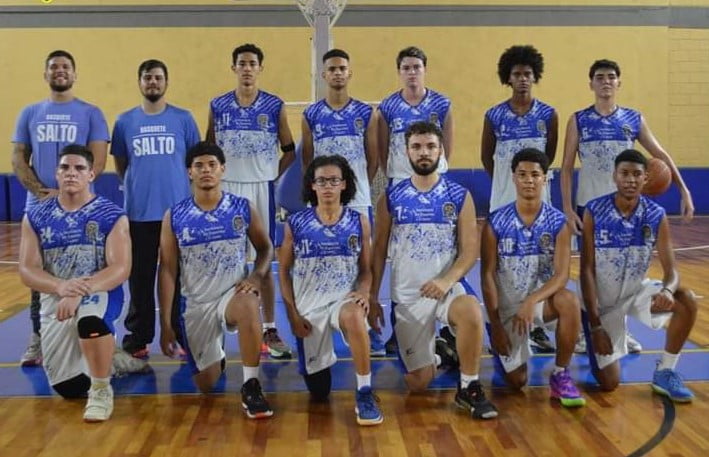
322 182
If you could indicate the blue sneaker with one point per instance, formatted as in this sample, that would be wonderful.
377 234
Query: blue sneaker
366 407
376 344
669 383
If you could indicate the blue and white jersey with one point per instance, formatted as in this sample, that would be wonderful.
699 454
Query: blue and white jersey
424 234
326 263
623 247
154 147
343 132
212 247
73 242
514 133
601 139
399 114
525 254
248 135
47 127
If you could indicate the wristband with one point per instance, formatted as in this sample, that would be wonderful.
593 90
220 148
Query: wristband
668 290
288 147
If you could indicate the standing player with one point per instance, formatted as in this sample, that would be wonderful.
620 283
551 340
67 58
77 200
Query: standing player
525 266
414 102
248 124
75 251
148 146
518 123
598 134
428 225
43 130
620 231
325 278
207 235
339 124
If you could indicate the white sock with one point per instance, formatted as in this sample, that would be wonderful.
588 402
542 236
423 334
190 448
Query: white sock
267 325
668 361
438 360
557 369
250 372
364 380
466 379
99 383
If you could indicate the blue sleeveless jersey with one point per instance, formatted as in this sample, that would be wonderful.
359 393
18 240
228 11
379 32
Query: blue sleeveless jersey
326 263
398 115
343 132
424 231
512 134
525 254
248 135
601 139
212 246
623 247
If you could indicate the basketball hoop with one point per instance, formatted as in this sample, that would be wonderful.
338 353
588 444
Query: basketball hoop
311 9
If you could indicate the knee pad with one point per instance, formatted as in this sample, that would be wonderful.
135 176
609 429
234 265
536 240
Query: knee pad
76 387
319 384
92 327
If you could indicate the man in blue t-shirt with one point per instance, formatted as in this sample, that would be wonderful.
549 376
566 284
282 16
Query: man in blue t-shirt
43 129
149 145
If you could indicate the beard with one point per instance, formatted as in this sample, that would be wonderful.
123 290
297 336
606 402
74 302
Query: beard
57 88
152 98
425 170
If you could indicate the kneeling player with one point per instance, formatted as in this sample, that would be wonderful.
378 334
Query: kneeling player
208 235
75 250
525 266
325 277
620 231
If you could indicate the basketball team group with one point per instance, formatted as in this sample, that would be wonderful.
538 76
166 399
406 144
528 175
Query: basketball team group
199 224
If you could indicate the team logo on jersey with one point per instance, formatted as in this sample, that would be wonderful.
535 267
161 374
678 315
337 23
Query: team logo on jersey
359 125
545 241
92 230
647 233
449 211
353 243
542 127
262 120
433 118
238 224
627 131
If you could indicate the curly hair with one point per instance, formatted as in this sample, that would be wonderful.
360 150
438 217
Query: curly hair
520 55
309 195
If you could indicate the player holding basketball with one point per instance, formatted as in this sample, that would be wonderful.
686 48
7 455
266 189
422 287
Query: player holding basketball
598 134
525 267
325 276
248 124
75 250
428 225
620 231
207 234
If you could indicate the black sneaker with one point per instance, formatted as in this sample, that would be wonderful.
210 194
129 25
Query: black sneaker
391 346
253 401
448 355
540 341
473 399
447 335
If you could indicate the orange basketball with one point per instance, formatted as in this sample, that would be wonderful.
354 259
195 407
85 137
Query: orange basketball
659 177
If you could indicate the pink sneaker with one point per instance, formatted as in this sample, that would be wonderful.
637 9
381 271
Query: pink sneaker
563 388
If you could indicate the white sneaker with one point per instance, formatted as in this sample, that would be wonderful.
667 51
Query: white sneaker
580 346
633 345
124 363
99 405
33 354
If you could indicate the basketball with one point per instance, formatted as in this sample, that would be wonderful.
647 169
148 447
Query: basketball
659 177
